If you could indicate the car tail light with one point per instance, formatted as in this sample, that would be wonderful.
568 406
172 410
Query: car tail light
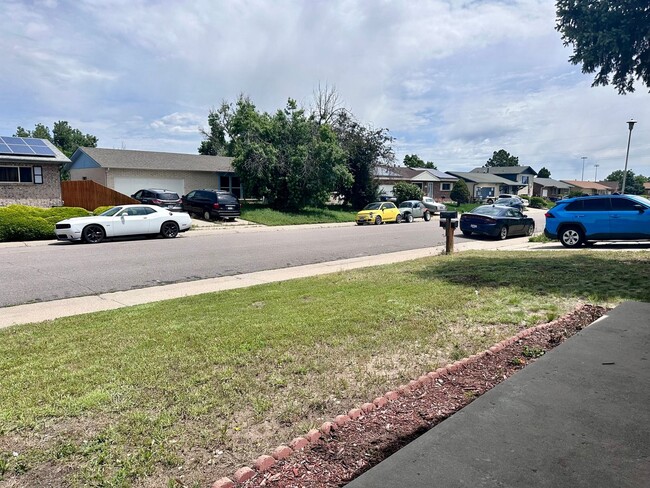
155 201
215 206
549 215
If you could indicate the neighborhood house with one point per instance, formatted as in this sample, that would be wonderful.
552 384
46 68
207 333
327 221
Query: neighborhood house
29 172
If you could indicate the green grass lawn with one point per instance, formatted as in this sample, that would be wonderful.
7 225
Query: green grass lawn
261 214
193 388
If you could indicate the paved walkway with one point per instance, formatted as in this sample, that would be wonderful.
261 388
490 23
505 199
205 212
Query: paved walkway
577 417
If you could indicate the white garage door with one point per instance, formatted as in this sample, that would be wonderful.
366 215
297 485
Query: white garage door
129 186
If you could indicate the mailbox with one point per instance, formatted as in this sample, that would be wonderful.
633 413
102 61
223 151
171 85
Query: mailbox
452 223
448 215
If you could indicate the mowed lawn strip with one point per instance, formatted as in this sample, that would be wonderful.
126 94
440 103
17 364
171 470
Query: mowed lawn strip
193 388
262 214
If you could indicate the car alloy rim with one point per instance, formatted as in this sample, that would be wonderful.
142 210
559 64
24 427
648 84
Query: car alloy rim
571 237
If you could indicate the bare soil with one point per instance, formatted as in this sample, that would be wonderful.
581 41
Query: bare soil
347 452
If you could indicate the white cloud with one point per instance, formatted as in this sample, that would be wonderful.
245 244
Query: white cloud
452 80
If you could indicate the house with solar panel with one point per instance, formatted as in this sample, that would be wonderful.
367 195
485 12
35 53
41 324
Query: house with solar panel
29 172
127 171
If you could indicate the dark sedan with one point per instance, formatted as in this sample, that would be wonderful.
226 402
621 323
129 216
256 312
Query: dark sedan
514 202
496 221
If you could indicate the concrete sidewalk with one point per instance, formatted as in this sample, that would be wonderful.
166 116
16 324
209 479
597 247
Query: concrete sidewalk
577 417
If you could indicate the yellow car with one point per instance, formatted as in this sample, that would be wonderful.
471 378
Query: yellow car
379 212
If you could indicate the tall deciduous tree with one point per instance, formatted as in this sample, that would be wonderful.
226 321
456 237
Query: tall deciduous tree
414 161
633 183
502 158
544 173
609 37
365 148
63 136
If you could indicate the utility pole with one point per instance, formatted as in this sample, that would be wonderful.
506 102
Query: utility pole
596 174
583 168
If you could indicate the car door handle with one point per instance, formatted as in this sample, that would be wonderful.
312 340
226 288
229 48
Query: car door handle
614 217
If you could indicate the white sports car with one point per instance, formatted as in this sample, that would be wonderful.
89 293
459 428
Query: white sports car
123 220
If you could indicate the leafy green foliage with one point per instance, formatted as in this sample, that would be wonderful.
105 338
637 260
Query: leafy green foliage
460 192
544 173
414 161
532 352
406 191
609 38
502 158
537 202
63 136
23 223
633 183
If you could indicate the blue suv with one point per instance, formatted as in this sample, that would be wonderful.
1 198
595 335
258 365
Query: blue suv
576 221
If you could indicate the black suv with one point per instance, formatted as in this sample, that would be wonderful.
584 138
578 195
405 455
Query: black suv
212 204
162 198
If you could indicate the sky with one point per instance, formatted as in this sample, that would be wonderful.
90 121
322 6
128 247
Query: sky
453 81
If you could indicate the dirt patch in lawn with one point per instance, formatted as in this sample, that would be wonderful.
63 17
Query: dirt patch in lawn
344 454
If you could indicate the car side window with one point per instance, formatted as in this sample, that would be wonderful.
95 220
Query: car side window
148 210
575 206
624 204
596 204
190 194
389 205
138 194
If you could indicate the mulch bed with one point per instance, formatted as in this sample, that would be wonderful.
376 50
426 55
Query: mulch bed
350 449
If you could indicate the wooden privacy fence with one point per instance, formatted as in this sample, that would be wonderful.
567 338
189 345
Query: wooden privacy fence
90 195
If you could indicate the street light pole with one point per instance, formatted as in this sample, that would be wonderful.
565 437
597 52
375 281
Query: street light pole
596 173
630 124
583 168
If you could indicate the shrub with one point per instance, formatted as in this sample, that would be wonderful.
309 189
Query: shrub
537 202
460 192
100 210
407 191
23 223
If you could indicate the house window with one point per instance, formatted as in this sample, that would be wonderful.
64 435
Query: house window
231 184
16 174
445 186
524 179
38 175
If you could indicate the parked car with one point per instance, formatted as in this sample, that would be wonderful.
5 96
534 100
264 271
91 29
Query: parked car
510 202
496 221
581 220
123 220
414 209
433 206
212 204
378 213
163 198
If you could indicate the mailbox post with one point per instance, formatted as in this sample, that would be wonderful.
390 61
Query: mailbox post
449 221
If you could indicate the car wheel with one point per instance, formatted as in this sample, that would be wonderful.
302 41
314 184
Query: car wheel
93 233
427 216
571 237
398 219
503 232
530 229
408 217
169 229
206 215
378 220
467 233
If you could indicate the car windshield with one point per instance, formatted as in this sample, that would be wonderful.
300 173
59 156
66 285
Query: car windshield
503 201
227 198
111 211
372 206
487 210
168 196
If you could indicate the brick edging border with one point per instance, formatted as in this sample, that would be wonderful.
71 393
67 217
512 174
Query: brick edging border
264 462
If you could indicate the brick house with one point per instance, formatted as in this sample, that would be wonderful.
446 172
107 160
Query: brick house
433 183
589 187
128 171
30 179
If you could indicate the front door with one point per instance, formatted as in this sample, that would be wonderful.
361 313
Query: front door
131 221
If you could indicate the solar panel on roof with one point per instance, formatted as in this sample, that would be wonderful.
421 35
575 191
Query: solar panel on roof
25 146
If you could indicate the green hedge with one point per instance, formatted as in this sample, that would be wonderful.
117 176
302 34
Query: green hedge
23 223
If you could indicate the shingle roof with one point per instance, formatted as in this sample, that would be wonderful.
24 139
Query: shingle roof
587 185
129 159
505 170
550 182
438 174
484 178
